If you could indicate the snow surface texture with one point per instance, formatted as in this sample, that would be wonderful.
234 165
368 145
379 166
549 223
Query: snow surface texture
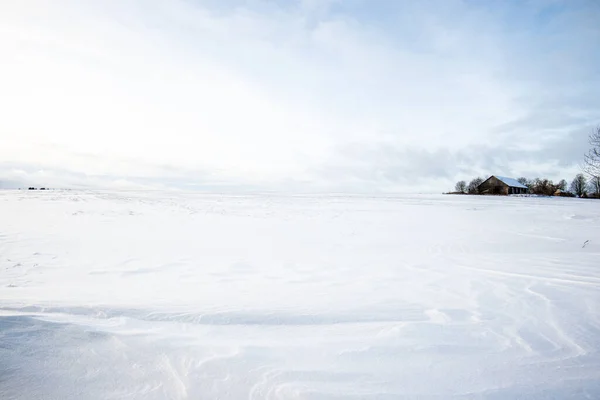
134 295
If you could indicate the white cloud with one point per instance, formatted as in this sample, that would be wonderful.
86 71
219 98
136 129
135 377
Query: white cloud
255 93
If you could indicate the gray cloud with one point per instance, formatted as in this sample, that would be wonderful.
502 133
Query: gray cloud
362 95
397 168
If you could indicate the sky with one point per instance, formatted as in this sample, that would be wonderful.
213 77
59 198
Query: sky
306 95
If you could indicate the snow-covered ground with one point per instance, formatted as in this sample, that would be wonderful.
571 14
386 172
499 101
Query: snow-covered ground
156 295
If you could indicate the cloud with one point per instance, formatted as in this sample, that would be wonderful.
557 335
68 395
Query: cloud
306 95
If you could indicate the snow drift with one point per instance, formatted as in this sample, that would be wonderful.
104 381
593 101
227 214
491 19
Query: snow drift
149 295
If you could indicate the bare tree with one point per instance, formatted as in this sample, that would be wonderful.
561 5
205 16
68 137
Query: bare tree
562 185
543 187
591 161
594 186
578 186
461 186
525 182
473 187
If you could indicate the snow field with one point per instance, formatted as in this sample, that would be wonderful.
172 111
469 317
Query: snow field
157 295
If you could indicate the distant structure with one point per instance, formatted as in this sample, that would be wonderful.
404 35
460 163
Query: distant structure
501 185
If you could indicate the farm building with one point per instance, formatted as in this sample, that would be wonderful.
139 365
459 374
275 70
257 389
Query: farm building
501 185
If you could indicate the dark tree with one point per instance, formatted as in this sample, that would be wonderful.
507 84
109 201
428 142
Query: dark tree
578 186
473 187
461 186
543 187
562 185
523 181
526 182
591 161
594 186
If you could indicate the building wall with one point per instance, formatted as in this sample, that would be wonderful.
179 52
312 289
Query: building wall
493 186
496 186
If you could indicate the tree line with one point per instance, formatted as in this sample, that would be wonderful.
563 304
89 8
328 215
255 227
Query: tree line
583 185
580 186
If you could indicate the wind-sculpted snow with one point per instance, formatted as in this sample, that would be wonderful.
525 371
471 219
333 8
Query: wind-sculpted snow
158 295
